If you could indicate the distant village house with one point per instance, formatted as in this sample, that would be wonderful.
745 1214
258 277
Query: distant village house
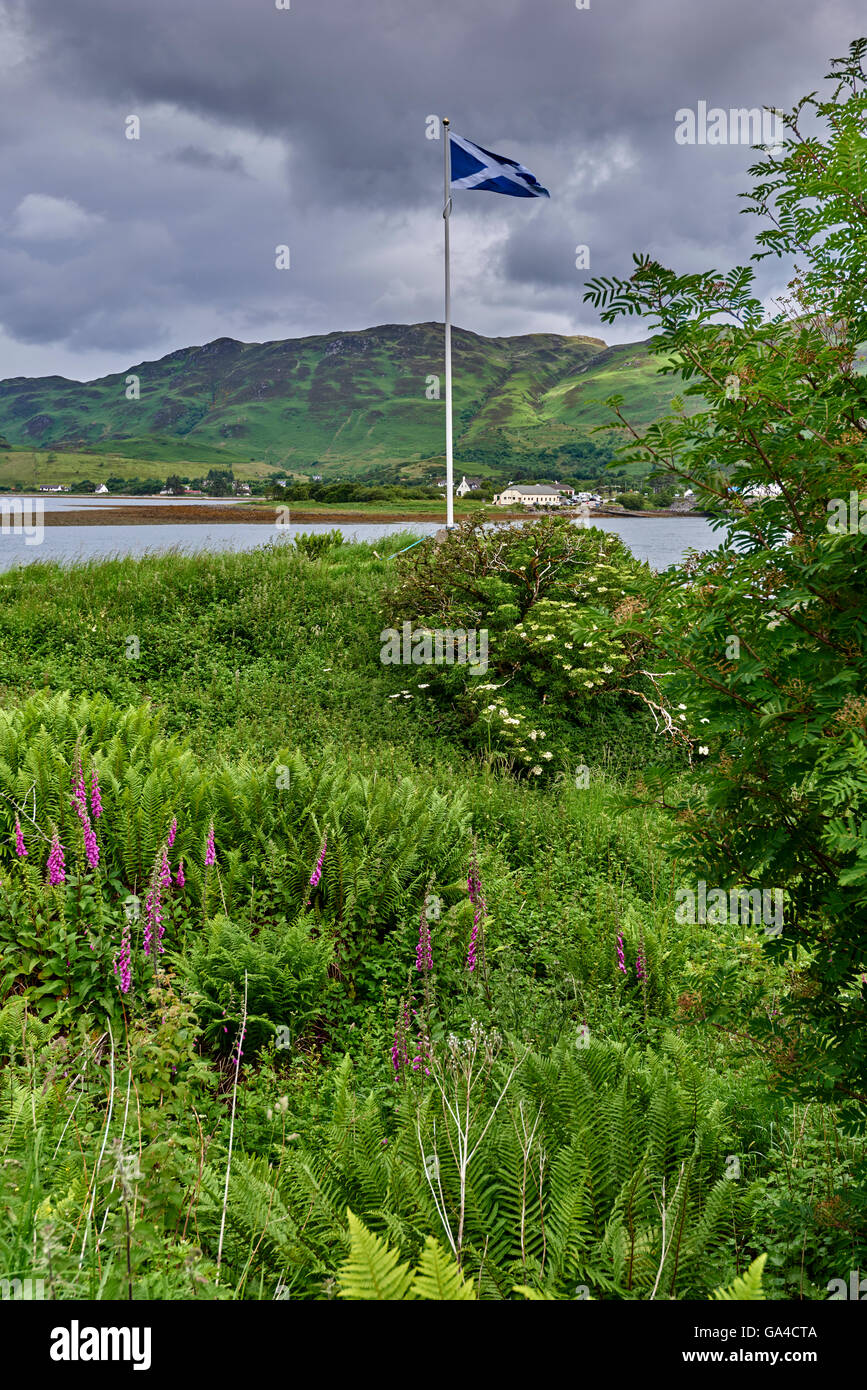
467 485
530 495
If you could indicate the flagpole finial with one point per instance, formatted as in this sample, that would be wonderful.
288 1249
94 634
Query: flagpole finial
446 120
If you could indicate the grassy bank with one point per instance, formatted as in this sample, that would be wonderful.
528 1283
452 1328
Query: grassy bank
245 693
30 468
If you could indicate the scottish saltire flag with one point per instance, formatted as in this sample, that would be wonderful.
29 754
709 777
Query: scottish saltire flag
475 168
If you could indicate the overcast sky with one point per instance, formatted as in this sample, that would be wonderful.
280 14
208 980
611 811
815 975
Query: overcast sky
306 127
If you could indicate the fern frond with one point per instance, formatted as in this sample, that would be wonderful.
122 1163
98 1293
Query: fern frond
744 1287
373 1270
438 1276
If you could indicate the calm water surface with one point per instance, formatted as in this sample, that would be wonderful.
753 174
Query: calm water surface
662 541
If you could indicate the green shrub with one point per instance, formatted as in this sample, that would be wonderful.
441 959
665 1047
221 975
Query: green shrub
282 966
318 543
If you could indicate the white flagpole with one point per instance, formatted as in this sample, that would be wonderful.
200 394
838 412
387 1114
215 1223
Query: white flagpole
447 208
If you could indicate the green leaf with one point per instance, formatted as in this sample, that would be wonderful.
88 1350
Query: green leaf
746 1287
373 1270
438 1275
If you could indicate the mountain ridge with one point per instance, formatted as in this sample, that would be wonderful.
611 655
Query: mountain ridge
343 399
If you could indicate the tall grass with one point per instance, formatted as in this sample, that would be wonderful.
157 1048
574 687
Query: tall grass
115 1146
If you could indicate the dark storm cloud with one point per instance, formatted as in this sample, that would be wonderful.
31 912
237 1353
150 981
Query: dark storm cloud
306 127
204 159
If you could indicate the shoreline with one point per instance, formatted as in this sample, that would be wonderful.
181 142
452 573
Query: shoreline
204 514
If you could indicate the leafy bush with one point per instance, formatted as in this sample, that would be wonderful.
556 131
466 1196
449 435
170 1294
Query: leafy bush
283 968
558 604
318 543
765 639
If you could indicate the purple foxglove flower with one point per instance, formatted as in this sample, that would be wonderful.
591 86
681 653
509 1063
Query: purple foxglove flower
56 864
79 791
95 798
317 872
153 927
148 927
210 848
399 1048
20 847
123 964
621 964
91 848
423 951
79 801
471 953
180 880
173 830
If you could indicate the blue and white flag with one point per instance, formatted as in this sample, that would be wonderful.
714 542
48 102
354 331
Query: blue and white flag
478 169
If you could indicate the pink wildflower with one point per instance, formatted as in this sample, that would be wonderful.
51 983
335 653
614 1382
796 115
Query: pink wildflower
399 1048
147 939
317 872
154 928
79 801
423 952
20 847
123 965
91 848
621 964
471 953
173 830
79 791
210 848
95 797
56 864
179 879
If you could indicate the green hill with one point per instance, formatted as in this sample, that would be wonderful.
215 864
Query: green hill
344 401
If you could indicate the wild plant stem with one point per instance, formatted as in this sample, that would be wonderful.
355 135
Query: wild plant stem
231 1134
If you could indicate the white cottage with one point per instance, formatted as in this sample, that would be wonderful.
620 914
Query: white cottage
528 495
